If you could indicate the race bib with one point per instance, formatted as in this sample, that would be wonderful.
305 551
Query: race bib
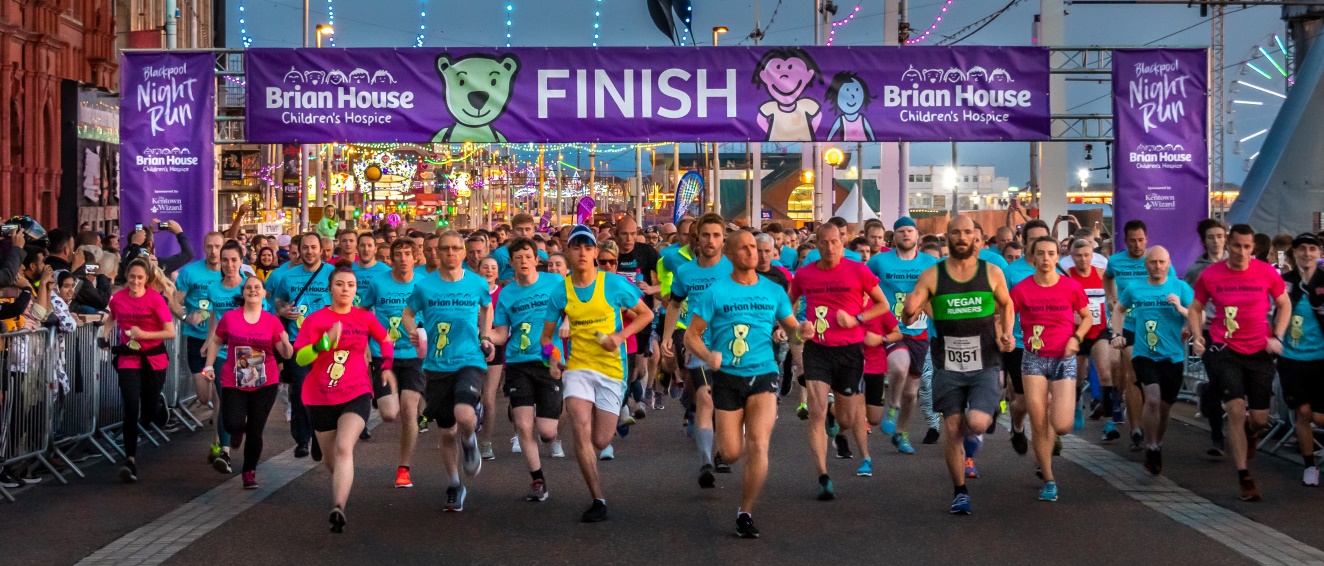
963 353
1096 312
631 275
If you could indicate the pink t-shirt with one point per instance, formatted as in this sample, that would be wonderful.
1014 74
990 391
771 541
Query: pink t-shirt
1048 314
844 287
149 313
875 357
251 350
341 374
1241 301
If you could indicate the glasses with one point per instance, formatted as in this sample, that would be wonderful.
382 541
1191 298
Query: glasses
606 262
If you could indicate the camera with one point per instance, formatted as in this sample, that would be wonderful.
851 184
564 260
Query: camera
8 230
137 227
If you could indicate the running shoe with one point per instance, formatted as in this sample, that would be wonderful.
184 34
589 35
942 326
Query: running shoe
745 526
970 470
1215 449
972 444
622 431
422 424
316 451
365 435
931 437
802 411
250 480
607 454
473 461
1079 423
402 478
514 445
639 412
537 491
1057 446
337 520
843 447
888 425
1019 443
213 453
1248 490
1110 432
1137 437
595 513
222 464
626 419
832 427
825 490
301 451
478 412
128 472
557 450
866 468
1153 461
1311 477
902 442
706 479
455 498
1049 492
8 480
487 452
720 466
960 504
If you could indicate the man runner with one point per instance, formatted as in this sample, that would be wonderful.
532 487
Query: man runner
387 297
299 291
1302 362
972 319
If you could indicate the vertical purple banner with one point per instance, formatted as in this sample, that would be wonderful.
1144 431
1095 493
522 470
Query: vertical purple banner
167 125
1160 123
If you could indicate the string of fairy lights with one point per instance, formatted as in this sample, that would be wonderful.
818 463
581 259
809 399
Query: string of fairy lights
832 35
331 19
510 18
422 23
243 27
932 27
597 20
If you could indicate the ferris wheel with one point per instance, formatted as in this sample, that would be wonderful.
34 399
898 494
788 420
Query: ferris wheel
1263 78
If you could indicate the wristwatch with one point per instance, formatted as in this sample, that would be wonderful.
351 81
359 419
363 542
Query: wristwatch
860 318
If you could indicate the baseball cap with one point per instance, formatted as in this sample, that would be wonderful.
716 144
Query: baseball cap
580 232
903 222
283 240
1306 238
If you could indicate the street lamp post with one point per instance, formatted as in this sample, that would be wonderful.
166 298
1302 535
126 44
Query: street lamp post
716 31
323 29
956 198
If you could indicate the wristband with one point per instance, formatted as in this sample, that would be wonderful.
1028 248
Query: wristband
860 318
323 344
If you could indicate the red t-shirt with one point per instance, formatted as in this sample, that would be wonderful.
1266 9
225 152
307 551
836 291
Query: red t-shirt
149 313
251 350
1241 301
341 374
1093 285
1048 314
875 357
845 287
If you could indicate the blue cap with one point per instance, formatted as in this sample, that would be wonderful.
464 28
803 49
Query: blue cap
903 222
581 232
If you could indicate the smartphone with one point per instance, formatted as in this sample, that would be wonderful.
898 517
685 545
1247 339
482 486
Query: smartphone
1282 258
91 268
162 226
8 230
137 227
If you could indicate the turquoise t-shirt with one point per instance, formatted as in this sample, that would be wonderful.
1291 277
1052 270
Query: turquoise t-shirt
620 293
450 317
1305 339
523 310
992 256
740 320
387 298
1016 272
365 276
814 256
222 299
1159 335
506 272
672 258
692 281
194 280
897 277
1126 271
313 299
789 255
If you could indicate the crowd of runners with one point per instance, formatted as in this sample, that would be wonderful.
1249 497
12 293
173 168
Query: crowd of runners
588 330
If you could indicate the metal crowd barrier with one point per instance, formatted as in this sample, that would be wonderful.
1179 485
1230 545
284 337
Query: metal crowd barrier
1193 375
78 401
27 374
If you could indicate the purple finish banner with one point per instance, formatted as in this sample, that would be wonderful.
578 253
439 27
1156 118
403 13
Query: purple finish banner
1160 123
167 123
731 94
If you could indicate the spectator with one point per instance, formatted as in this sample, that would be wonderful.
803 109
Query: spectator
12 255
143 240
60 249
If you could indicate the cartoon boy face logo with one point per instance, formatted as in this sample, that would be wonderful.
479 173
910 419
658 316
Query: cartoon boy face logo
849 96
478 88
785 73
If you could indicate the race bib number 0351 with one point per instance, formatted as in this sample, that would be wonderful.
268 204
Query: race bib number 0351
962 353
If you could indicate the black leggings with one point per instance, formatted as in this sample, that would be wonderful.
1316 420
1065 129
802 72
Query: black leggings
245 413
140 390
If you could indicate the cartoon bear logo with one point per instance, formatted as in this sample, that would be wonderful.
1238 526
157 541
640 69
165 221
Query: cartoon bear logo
443 338
740 344
337 369
478 88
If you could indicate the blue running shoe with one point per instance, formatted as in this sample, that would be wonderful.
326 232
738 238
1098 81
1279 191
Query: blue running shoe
866 468
1110 432
825 491
902 442
888 425
972 444
1079 424
960 505
833 429
1049 492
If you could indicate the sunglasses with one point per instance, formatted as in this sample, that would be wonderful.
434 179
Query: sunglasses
607 262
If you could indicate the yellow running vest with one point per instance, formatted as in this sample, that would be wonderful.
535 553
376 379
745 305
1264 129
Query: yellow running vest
586 319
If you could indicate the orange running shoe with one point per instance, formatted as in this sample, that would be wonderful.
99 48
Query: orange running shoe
402 478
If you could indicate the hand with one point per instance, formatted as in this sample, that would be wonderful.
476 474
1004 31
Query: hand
1072 348
612 342
668 348
243 209
488 348
19 239
138 237
564 331
209 373
1197 345
132 332
845 320
1006 342
204 351
174 227
555 369
287 312
1118 342
417 342
47 275
806 330
333 335
194 318
1274 346
778 335
714 360
1174 300
388 377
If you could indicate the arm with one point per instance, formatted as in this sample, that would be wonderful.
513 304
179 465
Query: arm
1082 328
642 317
171 264
11 265
210 348
236 222
284 348
499 335
485 331
669 324
919 296
1006 310
1195 321
1281 318
694 342
165 333
1110 289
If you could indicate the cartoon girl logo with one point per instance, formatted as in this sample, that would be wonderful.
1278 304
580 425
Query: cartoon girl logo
786 72
849 96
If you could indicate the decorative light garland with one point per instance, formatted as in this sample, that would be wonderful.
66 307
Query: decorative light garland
422 23
510 7
832 35
331 19
597 18
932 27
243 28
685 30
